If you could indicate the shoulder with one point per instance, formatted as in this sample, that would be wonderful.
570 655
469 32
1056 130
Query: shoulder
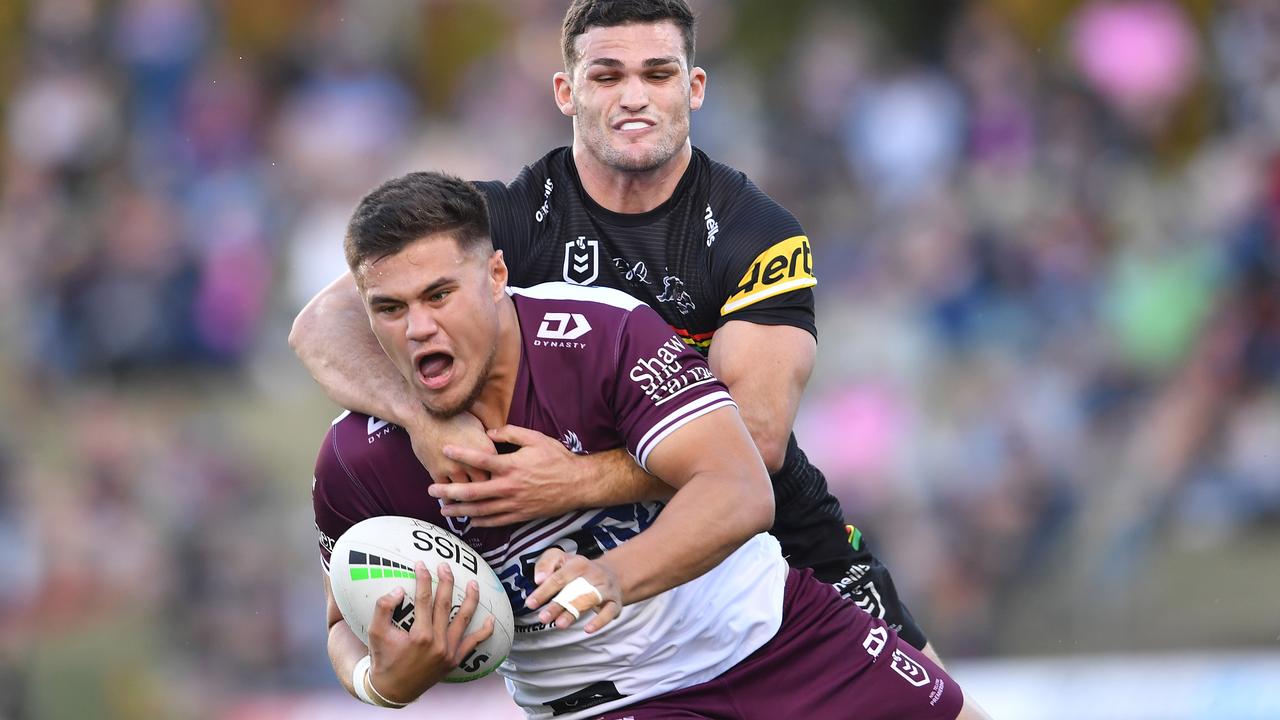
535 176
356 446
576 317
570 295
742 205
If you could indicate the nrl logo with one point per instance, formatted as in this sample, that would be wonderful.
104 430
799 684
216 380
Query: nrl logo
581 261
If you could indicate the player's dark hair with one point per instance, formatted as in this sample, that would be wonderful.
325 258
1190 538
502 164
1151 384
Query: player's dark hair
404 210
583 14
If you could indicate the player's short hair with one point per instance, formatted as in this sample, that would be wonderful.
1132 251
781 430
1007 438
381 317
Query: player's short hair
584 14
404 210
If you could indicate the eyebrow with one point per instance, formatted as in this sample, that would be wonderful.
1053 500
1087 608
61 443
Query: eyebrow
651 62
428 290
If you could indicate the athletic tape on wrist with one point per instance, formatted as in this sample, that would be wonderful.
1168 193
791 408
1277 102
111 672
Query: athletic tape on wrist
363 684
578 587
358 675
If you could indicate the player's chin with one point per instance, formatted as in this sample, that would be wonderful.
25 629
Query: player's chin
640 157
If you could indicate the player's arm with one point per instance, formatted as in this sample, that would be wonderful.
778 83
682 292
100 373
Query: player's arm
404 664
542 479
332 338
766 368
723 497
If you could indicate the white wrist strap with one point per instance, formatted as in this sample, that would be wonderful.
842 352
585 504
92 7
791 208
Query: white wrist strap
358 676
578 587
358 681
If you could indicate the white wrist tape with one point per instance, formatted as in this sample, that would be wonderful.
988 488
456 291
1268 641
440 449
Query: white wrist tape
577 588
358 676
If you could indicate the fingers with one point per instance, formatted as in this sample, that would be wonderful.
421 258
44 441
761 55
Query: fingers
516 435
550 576
460 474
421 600
381 623
551 560
470 642
605 614
460 622
468 493
444 599
486 460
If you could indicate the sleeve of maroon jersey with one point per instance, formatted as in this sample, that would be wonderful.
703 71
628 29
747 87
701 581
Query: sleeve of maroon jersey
660 384
334 499
366 468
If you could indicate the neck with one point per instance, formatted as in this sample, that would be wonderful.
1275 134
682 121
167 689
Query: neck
494 403
630 192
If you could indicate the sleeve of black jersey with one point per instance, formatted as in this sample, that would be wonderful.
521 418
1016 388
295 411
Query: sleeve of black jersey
761 263
512 209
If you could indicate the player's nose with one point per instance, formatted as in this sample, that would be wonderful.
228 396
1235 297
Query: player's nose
635 96
420 324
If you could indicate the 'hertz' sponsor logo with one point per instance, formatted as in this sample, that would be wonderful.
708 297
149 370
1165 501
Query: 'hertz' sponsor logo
782 268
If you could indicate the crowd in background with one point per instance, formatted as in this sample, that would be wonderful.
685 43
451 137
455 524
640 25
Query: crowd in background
1047 237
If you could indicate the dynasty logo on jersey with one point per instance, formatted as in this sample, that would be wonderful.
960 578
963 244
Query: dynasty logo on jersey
782 268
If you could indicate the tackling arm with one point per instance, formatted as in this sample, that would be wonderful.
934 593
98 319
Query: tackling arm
332 338
766 368
542 479
723 497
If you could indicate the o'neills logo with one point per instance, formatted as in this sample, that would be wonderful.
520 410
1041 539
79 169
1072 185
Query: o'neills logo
782 268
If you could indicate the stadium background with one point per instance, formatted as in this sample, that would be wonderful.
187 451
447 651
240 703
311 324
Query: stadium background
1048 243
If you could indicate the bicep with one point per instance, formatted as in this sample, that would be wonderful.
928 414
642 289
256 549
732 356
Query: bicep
766 368
716 442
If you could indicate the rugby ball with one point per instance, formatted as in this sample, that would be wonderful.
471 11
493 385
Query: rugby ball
376 555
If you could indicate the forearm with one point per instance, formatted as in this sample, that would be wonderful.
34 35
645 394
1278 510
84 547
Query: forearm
706 520
614 478
332 338
345 650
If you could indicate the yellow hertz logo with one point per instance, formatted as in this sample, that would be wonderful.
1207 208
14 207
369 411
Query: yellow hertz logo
782 268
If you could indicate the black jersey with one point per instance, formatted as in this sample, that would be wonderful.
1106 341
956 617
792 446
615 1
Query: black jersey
718 249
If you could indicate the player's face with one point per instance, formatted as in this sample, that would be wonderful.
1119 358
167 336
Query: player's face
630 94
434 309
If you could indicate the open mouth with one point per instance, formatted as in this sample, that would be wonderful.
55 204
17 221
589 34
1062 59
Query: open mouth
435 370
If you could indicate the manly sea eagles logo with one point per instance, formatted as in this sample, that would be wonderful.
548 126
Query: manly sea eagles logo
581 261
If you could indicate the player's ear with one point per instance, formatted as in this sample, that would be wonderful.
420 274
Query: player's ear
498 274
562 86
697 87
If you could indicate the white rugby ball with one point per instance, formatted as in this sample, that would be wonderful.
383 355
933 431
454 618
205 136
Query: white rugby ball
376 555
